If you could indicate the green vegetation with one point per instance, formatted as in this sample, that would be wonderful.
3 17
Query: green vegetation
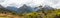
49 14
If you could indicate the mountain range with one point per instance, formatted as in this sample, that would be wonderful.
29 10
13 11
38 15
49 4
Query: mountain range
2 10
45 8
27 9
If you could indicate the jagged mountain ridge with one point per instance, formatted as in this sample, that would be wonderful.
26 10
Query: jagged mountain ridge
27 9
45 8
22 9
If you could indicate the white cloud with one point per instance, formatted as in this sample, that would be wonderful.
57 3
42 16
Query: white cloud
2 1
32 3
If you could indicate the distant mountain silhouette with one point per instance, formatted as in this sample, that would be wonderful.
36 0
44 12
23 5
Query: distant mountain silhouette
45 8
4 10
48 7
12 8
25 8
28 9
1 6
22 9
36 9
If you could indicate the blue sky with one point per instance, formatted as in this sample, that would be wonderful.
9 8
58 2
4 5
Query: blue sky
32 3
